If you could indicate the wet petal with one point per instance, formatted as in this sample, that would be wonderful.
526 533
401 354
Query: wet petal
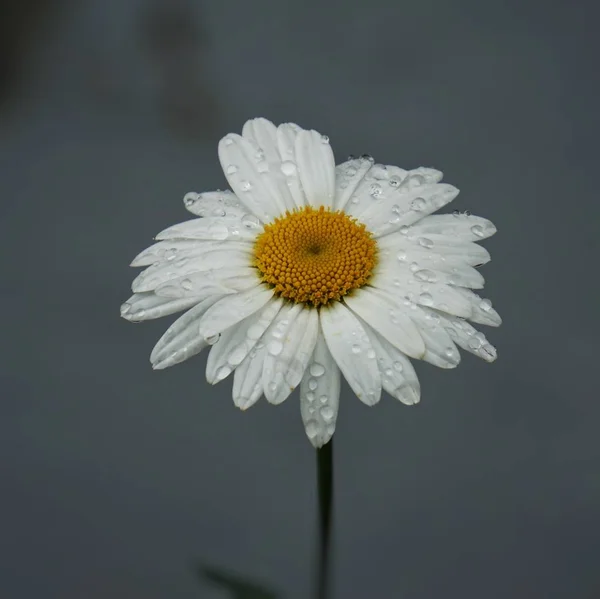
320 394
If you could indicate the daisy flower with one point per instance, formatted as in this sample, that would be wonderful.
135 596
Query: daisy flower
307 271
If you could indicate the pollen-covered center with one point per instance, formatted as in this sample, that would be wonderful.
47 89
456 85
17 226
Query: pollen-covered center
315 256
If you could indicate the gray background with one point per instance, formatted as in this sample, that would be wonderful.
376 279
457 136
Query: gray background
117 479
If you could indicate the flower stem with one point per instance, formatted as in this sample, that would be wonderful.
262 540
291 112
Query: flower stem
325 485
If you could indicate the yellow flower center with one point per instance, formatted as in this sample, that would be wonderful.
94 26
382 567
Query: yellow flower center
315 256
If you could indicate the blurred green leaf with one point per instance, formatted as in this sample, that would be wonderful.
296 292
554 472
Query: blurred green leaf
240 587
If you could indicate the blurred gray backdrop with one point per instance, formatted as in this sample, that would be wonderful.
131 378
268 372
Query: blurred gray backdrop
117 480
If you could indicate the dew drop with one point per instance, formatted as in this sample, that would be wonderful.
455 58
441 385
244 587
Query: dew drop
323 399
375 190
485 305
425 242
275 348
327 413
125 308
228 141
474 343
477 230
425 275
312 384
245 185
325 139
312 429
310 396
395 182
232 169
186 284
425 299
317 369
212 339
401 255
418 204
356 349
371 353
288 168
250 221
398 366
189 199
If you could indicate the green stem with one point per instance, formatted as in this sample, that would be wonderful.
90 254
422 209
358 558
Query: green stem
325 485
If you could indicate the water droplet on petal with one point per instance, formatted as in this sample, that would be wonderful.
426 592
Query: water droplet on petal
312 384
356 349
288 168
228 141
474 343
186 284
327 413
317 369
325 139
401 255
398 366
212 339
485 305
425 275
418 204
125 308
275 348
232 169
250 221
323 399
371 353
395 182
312 429
310 396
477 230
237 355
425 299
245 185
375 190
425 242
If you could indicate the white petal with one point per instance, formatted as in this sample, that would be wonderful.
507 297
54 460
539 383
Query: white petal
215 228
372 185
263 133
316 167
181 340
398 376
398 207
203 284
167 251
461 226
247 380
286 142
214 203
439 347
241 160
422 269
210 259
320 394
384 313
469 338
429 175
290 342
481 309
347 177
350 347
146 306
232 309
237 341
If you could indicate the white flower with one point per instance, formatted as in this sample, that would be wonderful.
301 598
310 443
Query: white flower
309 270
